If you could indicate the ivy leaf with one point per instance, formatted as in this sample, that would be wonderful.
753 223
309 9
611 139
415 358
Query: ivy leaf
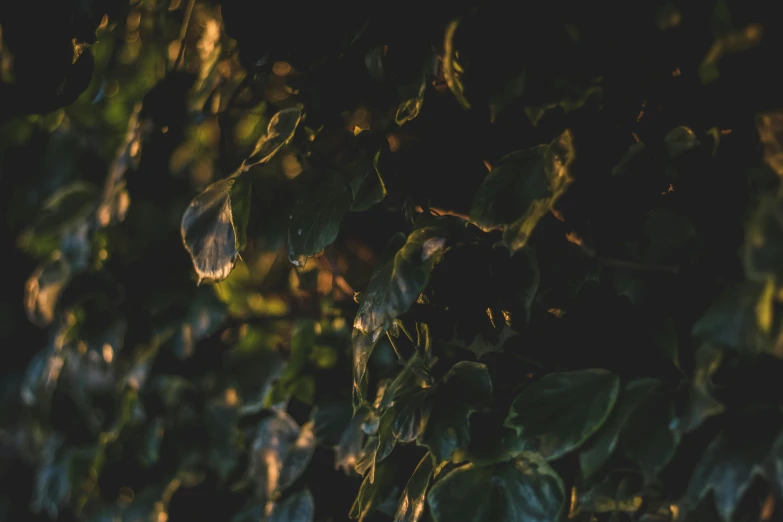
279 131
373 493
299 507
730 462
43 289
562 410
208 231
411 506
522 188
280 453
525 488
598 450
316 216
466 388
648 438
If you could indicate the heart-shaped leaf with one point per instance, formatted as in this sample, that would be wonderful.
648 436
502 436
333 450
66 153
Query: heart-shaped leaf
562 410
525 488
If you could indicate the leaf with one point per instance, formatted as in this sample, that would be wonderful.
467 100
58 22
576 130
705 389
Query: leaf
279 132
43 289
562 410
302 342
730 462
680 140
373 493
66 208
730 321
451 69
208 232
491 441
396 283
511 90
331 418
522 188
770 128
299 507
733 42
414 496
648 438
525 488
316 216
700 404
598 450
620 490
280 453
466 388
371 190
362 347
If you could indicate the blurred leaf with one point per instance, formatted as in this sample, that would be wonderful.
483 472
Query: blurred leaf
302 342
43 288
648 438
730 321
525 488
521 188
299 507
770 128
562 410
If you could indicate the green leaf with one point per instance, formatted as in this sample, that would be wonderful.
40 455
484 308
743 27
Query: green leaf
67 207
679 140
466 388
620 490
451 68
208 232
731 461
522 188
280 130
299 507
373 493
412 501
280 453
371 189
491 441
302 342
316 216
562 410
525 488
730 321
396 283
410 107
648 438
598 450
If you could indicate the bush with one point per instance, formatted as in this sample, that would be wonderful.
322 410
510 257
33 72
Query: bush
457 263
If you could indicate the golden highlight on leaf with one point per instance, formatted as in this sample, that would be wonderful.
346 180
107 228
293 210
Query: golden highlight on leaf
770 128
451 68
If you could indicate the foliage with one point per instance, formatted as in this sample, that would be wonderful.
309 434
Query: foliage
295 262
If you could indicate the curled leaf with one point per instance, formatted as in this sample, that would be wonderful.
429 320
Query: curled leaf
280 130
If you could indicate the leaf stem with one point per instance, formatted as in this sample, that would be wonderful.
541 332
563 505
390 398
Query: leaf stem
400 359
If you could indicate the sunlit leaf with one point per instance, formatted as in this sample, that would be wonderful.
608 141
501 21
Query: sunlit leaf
521 188
562 410
373 493
208 232
451 69
409 108
280 130
412 501
525 488
43 288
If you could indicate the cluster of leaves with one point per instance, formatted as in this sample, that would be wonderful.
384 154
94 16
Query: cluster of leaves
562 231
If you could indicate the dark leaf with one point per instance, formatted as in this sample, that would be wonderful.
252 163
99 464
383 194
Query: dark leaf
562 410
280 130
371 189
700 403
648 438
730 321
316 216
299 507
521 188
525 488
598 450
